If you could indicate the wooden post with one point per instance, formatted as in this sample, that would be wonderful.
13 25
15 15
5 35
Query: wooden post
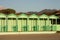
52 25
6 23
56 23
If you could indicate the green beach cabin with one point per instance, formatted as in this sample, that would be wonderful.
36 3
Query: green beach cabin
22 22
33 22
12 23
29 23
3 21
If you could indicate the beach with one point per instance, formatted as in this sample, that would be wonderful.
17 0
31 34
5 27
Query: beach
55 36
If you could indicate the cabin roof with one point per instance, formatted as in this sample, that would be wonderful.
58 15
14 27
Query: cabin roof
38 14
2 15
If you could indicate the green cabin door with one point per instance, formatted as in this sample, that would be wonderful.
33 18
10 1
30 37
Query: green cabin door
4 27
35 26
43 24
15 27
12 24
0 25
53 25
24 25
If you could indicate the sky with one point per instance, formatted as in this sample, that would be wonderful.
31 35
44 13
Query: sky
30 5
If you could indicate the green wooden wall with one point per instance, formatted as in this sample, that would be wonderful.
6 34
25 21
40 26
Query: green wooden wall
27 23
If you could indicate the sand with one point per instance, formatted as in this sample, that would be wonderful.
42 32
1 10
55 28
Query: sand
31 37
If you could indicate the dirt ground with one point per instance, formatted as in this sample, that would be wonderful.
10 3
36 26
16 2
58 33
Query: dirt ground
31 37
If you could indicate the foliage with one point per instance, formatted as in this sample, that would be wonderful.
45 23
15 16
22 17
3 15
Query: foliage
7 11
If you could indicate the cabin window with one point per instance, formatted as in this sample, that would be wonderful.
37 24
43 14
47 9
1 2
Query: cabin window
22 18
30 18
43 18
53 21
58 21
2 18
19 18
35 18
11 18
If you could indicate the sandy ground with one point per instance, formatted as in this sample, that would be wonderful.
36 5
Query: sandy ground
31 37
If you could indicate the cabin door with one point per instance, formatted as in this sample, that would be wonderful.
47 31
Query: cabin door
24 25
3 24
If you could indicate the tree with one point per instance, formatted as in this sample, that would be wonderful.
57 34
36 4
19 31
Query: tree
7 11
49 11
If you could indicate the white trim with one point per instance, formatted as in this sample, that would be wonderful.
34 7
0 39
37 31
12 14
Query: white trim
44 32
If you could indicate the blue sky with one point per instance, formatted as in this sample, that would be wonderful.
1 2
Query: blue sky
30 5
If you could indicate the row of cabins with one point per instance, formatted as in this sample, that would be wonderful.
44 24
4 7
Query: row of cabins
29 22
